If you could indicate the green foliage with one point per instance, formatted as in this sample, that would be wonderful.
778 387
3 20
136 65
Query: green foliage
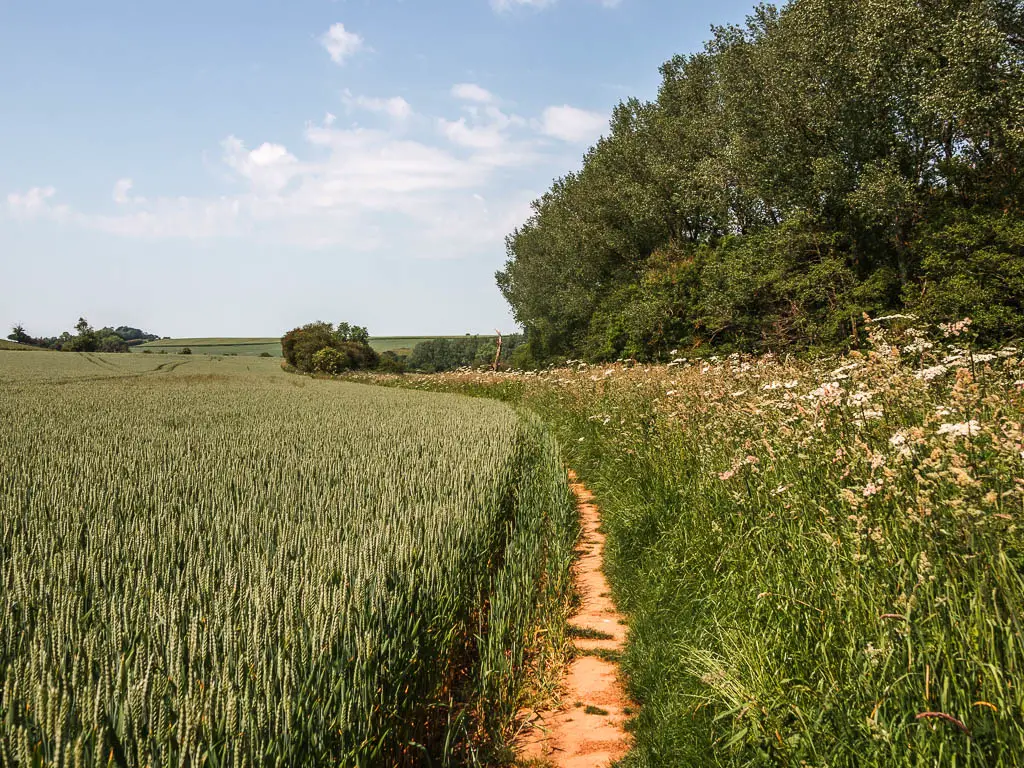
800 170
334 360
294 572
391 363
300 347
523 359
449 353
973 265
185 351
111 342
19 336
86 340
354 333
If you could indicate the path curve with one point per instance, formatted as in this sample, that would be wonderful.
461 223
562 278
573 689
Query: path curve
586 730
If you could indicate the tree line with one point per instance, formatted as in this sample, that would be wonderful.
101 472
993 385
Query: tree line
826 159
321 347
447 354
85 338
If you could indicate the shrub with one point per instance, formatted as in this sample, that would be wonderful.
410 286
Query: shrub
185 351
265 354
391 363
300 345
331 360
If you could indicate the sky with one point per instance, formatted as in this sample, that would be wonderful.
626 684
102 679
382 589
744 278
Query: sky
237 168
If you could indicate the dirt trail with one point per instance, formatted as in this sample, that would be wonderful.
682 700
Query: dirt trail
586 731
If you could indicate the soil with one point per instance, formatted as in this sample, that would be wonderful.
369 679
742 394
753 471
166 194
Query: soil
586 730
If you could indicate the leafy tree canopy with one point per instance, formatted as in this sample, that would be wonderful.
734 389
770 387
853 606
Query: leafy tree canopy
323 348
828 158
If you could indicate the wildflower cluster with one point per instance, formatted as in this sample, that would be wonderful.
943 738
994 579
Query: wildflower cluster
817 556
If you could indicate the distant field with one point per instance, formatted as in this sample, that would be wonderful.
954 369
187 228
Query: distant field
215 346
401 345
4 344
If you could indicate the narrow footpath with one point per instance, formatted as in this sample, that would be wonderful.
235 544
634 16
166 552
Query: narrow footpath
586 731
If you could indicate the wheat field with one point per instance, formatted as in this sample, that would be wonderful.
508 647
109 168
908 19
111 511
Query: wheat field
212 562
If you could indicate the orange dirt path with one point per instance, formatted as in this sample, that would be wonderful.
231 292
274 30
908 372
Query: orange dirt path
569 737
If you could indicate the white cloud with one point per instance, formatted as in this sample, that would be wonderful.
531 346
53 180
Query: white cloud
270 167
340 43
32 203
487 128
471 92
121 190
395 107
507 5
478 137
329 119
571 124
440 187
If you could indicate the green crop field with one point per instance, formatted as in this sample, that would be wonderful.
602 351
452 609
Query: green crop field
215 346
206 561
15 347
402 345
257 345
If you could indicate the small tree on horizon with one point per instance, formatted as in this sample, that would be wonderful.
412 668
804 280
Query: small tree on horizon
86 340
19 334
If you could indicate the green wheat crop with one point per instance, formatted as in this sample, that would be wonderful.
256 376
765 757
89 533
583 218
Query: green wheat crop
221 564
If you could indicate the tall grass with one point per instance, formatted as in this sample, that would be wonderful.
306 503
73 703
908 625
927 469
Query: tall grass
221 564
822 562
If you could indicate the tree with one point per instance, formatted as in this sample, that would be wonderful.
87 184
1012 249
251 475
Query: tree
355 333
19 335
111 342
86 340
301 345
798 170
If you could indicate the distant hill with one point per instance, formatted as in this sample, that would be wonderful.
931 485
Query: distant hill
400 345
14 346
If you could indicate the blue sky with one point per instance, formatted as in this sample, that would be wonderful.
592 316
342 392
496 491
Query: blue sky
225 168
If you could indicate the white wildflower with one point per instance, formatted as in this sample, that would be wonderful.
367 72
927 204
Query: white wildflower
928 374
827 392
890 317
955 329
872 488
963 429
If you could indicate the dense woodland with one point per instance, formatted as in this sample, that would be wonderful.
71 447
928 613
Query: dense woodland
830 158
85 338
